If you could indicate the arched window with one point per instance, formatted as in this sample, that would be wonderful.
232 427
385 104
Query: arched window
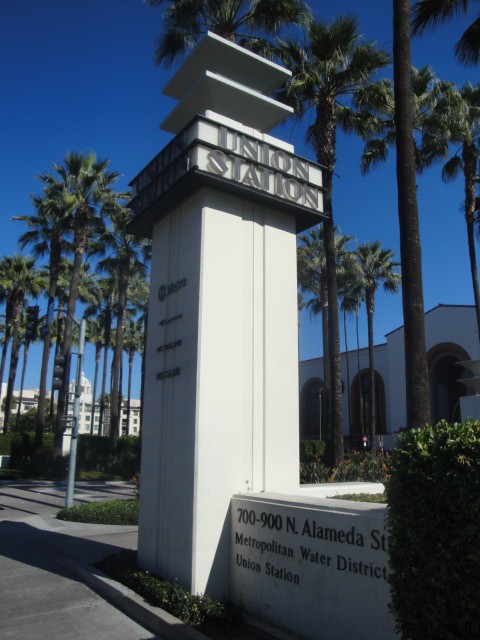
360 403
444 375
311 409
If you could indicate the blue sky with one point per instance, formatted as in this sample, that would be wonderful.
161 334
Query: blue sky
78 75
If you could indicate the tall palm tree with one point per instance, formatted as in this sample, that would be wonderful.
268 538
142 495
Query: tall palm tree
125 255
329 66
416 370
139 295
95 336
103 307
459 118
312 278
132 344
21 279
377 267
352 295
374 118
47 233
430 13
185 21
84 185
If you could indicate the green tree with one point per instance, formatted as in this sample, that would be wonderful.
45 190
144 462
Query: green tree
95 335
430 13
83 187
185 21
125 256
132 344
312 278
459 118
19 279
377 267
329 65
416 371
48 230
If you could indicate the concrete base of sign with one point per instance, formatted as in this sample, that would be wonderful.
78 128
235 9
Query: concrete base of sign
315 567
221 400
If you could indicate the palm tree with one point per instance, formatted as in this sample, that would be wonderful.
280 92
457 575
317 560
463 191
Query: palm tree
84 186
103 308
125 258
20 279
430 13
377 267
330 64
139 294
48 229
312 278
416 371
459 114
95 336
351 292
185 21
375 117
132 344
26 348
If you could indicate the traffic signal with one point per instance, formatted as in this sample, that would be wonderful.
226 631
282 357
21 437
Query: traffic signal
31 326
60 371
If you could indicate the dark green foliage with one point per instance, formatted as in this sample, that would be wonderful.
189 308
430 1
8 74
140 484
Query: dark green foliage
357 466
94 454
311 450
434 522
123 512
34 462
5 443
196 610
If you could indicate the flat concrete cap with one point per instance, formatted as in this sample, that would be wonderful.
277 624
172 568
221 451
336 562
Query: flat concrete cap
230 99
226 59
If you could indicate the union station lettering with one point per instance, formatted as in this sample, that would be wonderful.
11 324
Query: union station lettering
212 151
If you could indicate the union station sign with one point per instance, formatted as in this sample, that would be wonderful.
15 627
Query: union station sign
211 154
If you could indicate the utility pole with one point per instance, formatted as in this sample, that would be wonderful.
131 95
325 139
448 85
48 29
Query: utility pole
76 412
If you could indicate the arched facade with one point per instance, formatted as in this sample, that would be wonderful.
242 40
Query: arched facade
360 403
311 409
444 373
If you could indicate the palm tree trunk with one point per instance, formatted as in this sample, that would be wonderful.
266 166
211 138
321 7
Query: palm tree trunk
6 342
11 375
348 371
106 332
359 382
117 357
98 352
26 345
327 384
369 300
55 255
469 157
131 355
416 371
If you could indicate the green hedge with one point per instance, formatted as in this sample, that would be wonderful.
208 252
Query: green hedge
434 526
93 454
311 450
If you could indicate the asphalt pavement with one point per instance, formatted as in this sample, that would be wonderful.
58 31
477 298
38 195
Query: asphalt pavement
41 593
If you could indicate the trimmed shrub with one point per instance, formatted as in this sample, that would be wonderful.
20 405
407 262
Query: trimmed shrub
357 466
199 611
123 512
434 528
311 450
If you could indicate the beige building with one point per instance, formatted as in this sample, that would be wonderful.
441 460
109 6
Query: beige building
30 400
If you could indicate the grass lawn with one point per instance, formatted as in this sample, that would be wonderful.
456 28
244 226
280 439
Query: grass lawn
362 497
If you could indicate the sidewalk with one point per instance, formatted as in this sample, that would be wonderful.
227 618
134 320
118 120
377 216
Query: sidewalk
40 597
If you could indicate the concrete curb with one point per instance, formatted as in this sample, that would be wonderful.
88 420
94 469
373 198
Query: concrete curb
154 619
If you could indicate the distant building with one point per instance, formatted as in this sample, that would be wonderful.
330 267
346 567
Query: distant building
451 336
30 400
